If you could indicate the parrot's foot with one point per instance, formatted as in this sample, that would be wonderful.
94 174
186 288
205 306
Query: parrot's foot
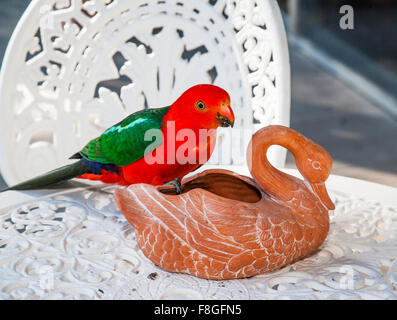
177 184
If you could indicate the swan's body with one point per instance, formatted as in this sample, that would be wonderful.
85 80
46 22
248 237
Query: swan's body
227 226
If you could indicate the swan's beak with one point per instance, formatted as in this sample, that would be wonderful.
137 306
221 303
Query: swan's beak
321 191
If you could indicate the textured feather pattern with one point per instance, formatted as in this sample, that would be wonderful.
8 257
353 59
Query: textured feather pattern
124 143
208 237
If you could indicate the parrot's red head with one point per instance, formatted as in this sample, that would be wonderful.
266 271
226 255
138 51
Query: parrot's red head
205 106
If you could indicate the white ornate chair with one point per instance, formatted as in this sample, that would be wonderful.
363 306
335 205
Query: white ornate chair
73 68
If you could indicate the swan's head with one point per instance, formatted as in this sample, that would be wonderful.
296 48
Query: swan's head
315 164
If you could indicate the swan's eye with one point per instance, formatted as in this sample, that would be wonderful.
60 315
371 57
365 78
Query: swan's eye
200 105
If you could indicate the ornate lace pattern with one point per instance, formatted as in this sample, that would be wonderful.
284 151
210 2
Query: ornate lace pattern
77 245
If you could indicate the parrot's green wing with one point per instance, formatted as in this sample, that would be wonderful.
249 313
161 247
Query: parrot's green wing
125 143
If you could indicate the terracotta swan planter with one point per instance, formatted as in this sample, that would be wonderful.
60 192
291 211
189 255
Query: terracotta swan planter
228 226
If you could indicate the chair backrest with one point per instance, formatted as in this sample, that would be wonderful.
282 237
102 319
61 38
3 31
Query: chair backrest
74 68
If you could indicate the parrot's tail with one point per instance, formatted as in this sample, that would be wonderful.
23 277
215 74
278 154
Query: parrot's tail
67 172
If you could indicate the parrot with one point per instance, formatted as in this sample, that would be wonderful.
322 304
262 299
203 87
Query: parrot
126 154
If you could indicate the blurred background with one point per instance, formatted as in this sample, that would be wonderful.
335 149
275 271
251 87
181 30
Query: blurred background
344 81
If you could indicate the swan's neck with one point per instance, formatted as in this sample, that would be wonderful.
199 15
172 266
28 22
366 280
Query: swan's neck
274 182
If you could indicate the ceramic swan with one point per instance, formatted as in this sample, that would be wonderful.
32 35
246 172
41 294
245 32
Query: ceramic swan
228 226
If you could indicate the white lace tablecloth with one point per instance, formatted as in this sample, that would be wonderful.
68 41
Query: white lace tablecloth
76 244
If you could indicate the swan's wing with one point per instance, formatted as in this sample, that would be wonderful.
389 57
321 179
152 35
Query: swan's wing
188 234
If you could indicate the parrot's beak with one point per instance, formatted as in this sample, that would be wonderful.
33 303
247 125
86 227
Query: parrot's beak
226 117
321 191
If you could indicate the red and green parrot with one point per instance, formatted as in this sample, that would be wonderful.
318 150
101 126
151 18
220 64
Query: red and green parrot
118 156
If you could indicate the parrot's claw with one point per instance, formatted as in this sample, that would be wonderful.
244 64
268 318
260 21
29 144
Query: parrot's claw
177 184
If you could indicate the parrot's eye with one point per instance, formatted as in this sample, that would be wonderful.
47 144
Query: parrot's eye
200 105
